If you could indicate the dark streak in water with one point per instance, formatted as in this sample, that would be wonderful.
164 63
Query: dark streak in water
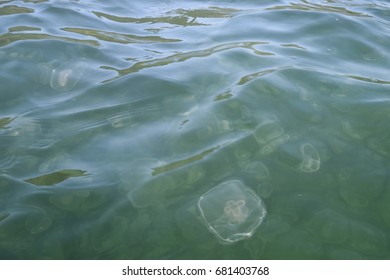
369 80
56 177
181 163
9 38
12 9
252 76
183 57
23 28
5 121
118 37
180 17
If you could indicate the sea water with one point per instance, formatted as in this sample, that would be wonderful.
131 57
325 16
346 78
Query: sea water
124 123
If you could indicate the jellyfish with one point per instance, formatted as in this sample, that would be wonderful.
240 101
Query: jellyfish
236 211
270 134
269 129
311 159
256 170
231 211
75 200
121 121
66 76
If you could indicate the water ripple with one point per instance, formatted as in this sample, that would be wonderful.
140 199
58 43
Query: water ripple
177 17
185 56
117 116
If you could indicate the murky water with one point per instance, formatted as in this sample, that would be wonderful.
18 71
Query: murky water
121 123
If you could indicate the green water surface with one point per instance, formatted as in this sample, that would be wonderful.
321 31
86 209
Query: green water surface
117 117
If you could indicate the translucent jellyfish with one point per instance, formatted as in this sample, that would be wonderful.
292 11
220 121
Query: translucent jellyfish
70 201
231 211
353 130
257 170
271 146
213 125
265 189
242 154
66 76
328 225
194 174
311 159
255 248
121 121
268 129
270 134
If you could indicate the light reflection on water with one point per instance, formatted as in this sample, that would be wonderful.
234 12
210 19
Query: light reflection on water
116 119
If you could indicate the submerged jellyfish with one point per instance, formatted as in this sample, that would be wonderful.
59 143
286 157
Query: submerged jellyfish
66 76
270 134
269 129
256 170
231 211
311 159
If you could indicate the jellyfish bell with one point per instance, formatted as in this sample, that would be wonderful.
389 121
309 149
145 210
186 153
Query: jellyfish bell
231 211
66 76
268 129
311 159
256 170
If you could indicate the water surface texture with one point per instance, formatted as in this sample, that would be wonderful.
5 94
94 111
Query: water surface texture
117 117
